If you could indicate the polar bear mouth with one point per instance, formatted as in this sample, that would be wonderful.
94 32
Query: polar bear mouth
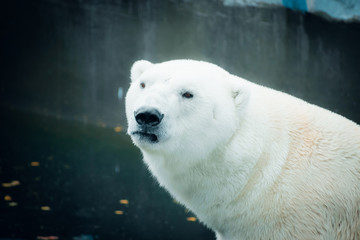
146 136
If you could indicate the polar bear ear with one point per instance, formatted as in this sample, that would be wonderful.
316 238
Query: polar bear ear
138 68
240 92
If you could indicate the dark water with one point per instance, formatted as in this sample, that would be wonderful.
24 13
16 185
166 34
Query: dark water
80 175
64 168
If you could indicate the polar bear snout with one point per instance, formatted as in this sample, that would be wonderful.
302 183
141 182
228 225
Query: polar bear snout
148 117
148 128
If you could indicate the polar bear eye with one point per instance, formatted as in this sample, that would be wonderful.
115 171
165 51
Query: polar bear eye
187 95
142 85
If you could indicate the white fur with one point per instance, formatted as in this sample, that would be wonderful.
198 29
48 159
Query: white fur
249 161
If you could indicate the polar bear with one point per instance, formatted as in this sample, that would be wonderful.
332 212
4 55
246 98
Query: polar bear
249 161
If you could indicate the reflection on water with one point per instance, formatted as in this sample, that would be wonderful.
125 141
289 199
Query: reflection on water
65 180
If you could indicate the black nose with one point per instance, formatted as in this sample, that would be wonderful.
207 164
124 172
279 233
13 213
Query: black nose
148 117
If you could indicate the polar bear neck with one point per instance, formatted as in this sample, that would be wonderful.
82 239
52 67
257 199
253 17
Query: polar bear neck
289 166
226 175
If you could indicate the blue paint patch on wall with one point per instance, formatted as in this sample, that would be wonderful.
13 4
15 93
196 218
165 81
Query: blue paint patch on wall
296 4
348 10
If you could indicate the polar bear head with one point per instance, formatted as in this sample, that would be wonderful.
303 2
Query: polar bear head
183 108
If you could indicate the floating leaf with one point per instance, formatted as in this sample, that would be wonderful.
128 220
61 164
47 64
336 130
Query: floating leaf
35 164
48 237
13 204
45 208
118 129
7 198
11 184
191 219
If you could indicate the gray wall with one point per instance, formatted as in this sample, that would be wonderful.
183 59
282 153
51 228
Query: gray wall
68 58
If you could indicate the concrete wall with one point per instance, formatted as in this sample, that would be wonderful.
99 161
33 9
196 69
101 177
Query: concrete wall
70 58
